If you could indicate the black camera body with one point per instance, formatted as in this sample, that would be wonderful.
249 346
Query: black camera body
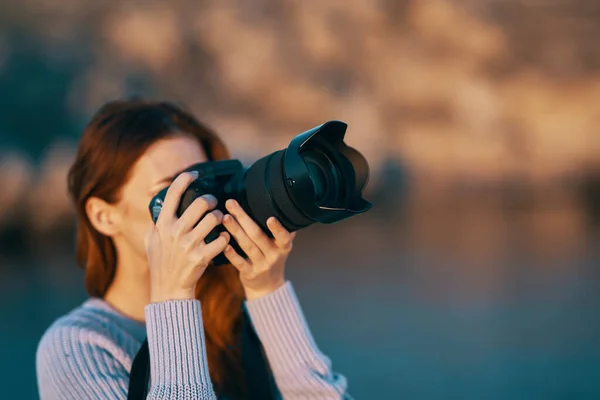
317 178
217 178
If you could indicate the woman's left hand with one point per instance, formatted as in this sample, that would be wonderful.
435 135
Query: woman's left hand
263 271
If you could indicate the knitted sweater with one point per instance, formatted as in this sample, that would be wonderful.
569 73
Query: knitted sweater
87 354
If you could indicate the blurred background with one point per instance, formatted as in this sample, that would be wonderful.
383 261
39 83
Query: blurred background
476 274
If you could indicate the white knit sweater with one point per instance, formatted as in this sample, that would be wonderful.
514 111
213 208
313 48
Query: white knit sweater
87 354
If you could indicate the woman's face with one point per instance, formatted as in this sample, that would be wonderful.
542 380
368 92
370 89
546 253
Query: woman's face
154 170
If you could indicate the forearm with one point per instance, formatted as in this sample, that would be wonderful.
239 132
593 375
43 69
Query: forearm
299 367
178 362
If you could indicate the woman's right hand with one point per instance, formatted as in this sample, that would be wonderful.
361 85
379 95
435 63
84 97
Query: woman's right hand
177 253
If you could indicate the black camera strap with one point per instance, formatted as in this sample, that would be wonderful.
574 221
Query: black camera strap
139 377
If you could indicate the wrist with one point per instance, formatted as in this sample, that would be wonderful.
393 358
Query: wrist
160 296
257 293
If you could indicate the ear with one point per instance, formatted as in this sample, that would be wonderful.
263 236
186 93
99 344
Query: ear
103 216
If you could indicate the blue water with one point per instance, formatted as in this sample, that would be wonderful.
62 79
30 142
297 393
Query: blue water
403 314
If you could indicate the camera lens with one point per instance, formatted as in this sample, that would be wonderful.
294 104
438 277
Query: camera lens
325 177
318 178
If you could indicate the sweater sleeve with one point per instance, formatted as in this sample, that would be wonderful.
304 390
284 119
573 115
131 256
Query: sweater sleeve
178 362
299 368
78 362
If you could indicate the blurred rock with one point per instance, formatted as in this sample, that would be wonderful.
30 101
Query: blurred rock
589 192
49 205
16 177
148 35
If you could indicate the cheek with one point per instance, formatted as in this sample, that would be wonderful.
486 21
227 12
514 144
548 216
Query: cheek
136 220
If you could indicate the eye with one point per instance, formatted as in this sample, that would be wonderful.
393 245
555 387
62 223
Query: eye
155 190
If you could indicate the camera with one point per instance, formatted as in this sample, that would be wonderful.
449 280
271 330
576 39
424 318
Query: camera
317 178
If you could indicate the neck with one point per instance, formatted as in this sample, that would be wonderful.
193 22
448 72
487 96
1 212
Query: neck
129 292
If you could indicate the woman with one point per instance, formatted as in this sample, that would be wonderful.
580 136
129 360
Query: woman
233 331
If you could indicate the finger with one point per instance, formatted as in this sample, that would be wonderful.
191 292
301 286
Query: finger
250 227
205 226
282 237
204 255
195 211
173 196
239 262
246 244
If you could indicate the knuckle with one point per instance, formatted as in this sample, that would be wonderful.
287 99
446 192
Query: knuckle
177 230
193 243
201 259
255 232
251 246
186 245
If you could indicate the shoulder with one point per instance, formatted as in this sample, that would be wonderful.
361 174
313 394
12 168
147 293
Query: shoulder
84 333
84 354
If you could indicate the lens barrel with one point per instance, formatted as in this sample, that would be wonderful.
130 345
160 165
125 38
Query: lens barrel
317 178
